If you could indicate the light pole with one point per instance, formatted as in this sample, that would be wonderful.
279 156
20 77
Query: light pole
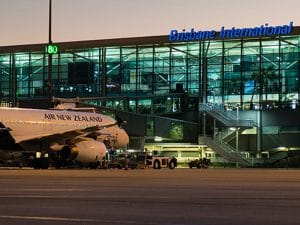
50 21
49 83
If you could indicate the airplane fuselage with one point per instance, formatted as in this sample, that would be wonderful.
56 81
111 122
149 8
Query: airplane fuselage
28 124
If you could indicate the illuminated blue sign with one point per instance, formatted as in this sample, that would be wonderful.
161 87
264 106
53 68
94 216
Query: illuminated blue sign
249 87
263 30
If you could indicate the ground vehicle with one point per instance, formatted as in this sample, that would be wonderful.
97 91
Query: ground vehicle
139 159
131 160
158 162
199 163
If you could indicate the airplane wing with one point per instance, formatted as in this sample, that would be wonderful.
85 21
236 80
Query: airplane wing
91 132
6 140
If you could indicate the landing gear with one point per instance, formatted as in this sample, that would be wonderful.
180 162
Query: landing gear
57 164
40 163
60 158
94 165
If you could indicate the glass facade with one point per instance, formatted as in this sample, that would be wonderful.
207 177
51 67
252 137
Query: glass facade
159 78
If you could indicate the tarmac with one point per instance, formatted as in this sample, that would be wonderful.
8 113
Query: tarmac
150 197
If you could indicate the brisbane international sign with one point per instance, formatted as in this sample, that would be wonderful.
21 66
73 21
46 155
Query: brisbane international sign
263 30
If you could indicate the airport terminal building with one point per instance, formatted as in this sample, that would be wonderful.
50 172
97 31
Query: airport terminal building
235 90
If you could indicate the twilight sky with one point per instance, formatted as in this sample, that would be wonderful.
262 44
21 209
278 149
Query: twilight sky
26 21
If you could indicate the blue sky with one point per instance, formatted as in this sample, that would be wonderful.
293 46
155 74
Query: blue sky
26 21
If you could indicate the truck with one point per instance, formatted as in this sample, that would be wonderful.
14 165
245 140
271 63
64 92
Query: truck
141 160
157 162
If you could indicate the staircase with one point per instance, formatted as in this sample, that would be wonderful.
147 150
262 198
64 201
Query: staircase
228 153
220 141
277 157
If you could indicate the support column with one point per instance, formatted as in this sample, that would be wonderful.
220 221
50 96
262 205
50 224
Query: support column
204 128
13 81
258 137
237 143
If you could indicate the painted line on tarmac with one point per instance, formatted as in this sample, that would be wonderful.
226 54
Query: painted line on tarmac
46 218
43 218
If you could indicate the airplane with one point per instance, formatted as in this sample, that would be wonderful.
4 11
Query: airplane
59 135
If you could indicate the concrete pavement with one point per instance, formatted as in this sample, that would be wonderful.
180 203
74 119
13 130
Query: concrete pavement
150 197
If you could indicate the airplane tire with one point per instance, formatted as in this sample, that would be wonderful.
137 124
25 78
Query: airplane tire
36 164
156 164
40 163
57 165
94 165
44 163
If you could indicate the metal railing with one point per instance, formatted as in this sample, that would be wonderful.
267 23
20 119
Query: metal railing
233 152
228 118
221 139
277 156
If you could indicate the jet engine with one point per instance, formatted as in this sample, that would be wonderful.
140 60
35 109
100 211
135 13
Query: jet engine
88 151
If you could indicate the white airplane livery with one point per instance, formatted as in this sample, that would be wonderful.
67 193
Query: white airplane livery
59 134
